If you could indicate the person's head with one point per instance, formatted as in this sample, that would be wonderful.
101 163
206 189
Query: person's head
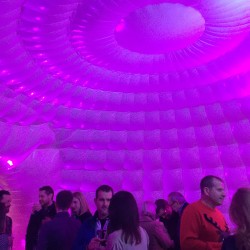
239 214
5 198
212 190
176 200
124 215
46 194
103 196
63 200
163 209
79 204
148 209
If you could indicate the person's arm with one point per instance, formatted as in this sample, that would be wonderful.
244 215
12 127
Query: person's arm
189 232
113 243
162 236
95 244
32 231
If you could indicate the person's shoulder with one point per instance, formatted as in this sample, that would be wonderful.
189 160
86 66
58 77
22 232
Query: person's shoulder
84 216
142 229
175 215
74 221
230 238
8 218
217 210
90 220
88 214
157 224
193 206
193 209
88 223
114 239
48 225
143 232
38 214
51 211
117 233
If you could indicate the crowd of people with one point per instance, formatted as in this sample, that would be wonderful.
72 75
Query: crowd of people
117 224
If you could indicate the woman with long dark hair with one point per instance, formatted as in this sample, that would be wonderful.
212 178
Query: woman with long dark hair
124 230
240 214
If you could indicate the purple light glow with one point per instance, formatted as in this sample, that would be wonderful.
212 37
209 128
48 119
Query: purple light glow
165 32
10 163
147 96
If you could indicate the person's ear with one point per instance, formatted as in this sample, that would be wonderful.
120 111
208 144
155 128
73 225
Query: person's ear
206 190
51 196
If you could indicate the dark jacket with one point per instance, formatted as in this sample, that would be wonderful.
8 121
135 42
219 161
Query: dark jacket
8 229
35 223
171 224
177 238
87 233
5 233
229 243
83 216
59 233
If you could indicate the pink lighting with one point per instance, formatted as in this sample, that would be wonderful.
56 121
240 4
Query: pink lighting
10 163
165 30
120 26
144 95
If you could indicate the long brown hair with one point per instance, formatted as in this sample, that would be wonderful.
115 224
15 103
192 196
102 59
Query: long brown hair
124 215
240 215
84 207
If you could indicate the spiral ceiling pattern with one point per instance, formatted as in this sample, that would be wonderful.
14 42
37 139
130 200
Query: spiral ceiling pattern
145 95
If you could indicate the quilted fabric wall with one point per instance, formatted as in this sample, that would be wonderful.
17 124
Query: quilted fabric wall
144 95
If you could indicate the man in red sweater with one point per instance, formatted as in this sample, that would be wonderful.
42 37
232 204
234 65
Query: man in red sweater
203 226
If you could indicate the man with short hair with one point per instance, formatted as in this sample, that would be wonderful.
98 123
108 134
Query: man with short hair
41 213
178 203
5 199
93 231
202 225
59 233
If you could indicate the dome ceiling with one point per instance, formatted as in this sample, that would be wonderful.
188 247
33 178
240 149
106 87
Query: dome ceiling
145 95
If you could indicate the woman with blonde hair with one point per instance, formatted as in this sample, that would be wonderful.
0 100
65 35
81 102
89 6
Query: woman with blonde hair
240 215
80 207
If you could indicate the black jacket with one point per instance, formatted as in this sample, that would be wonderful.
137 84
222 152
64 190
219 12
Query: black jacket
35 223
177 238
229 243
83 216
